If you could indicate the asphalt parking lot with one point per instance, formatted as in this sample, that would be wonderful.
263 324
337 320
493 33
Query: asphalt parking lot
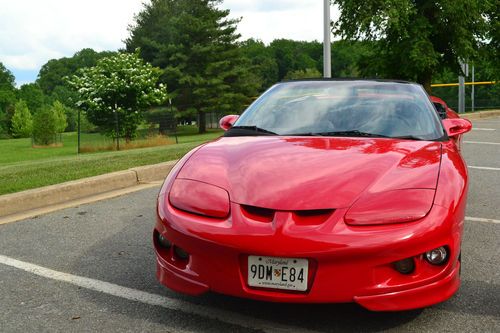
92 268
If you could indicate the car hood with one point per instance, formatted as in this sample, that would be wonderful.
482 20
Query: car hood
305 173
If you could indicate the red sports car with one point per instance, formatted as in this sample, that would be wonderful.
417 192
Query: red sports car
322 191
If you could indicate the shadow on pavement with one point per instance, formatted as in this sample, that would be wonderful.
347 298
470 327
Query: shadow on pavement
127 259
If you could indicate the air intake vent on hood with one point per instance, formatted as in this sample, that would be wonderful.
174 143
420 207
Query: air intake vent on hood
258 213
301 217
312 217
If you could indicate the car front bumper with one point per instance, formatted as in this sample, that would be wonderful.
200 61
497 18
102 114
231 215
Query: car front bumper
346 263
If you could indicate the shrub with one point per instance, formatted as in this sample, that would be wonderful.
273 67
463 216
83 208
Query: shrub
45 127
60 113
22 122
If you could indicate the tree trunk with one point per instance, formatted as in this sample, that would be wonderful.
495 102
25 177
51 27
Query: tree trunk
425 79
202 123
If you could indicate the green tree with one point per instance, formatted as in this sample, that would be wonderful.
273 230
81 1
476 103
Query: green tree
65 94
33 95
195 43
45 126
492 51
308 73
349 56
416 39
296 55
60 114
263 62
71 118
51 78
117 91
7 88
7 99
4 133
22 122
52 74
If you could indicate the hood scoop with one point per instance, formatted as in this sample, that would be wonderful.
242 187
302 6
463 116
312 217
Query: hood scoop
300 217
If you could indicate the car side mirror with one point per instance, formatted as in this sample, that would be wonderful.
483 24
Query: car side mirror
228 121
456 126
441 110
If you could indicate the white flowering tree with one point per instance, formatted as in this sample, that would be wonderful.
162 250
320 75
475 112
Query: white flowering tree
117 91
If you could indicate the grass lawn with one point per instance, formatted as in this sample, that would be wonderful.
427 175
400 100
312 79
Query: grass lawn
19 150
23 167
187 134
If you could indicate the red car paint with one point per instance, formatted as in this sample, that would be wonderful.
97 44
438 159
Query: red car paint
303 197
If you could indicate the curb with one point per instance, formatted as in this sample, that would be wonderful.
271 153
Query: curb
481 115
155 172
24 201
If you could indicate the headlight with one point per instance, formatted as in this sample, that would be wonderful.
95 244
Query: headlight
437 256
396 206
199 198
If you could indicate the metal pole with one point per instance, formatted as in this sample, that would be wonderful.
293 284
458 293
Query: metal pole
472 93
117 128
327 52
79 130
171 114
461 88
461 94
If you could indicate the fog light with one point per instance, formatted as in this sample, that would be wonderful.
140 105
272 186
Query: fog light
405 266
165 243
180 253
437 256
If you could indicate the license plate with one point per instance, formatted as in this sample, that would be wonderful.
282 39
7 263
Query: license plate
278 273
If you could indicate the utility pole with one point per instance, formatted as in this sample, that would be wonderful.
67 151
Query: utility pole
461 87
327 52
117 128
79 130
172 115
472 93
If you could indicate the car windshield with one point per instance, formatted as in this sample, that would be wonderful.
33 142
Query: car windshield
342 108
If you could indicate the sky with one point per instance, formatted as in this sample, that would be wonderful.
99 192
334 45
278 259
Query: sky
35 31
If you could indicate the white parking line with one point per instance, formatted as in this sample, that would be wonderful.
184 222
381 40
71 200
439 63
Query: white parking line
478 219
151 299
484 168
483 143
483 129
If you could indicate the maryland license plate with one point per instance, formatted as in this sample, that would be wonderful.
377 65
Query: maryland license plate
278 273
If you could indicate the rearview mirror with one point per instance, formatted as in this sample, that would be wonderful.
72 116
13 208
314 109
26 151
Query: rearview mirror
228 121
456 126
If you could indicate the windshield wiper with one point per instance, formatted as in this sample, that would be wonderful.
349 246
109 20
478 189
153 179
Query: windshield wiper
253 128
408 137
353 133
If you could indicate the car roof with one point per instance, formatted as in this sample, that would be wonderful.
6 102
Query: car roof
349 79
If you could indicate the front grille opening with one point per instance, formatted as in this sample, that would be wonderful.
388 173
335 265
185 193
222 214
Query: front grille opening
258 213
312 217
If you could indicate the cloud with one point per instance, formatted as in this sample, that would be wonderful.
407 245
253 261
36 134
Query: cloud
269 20
268 6
33 32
